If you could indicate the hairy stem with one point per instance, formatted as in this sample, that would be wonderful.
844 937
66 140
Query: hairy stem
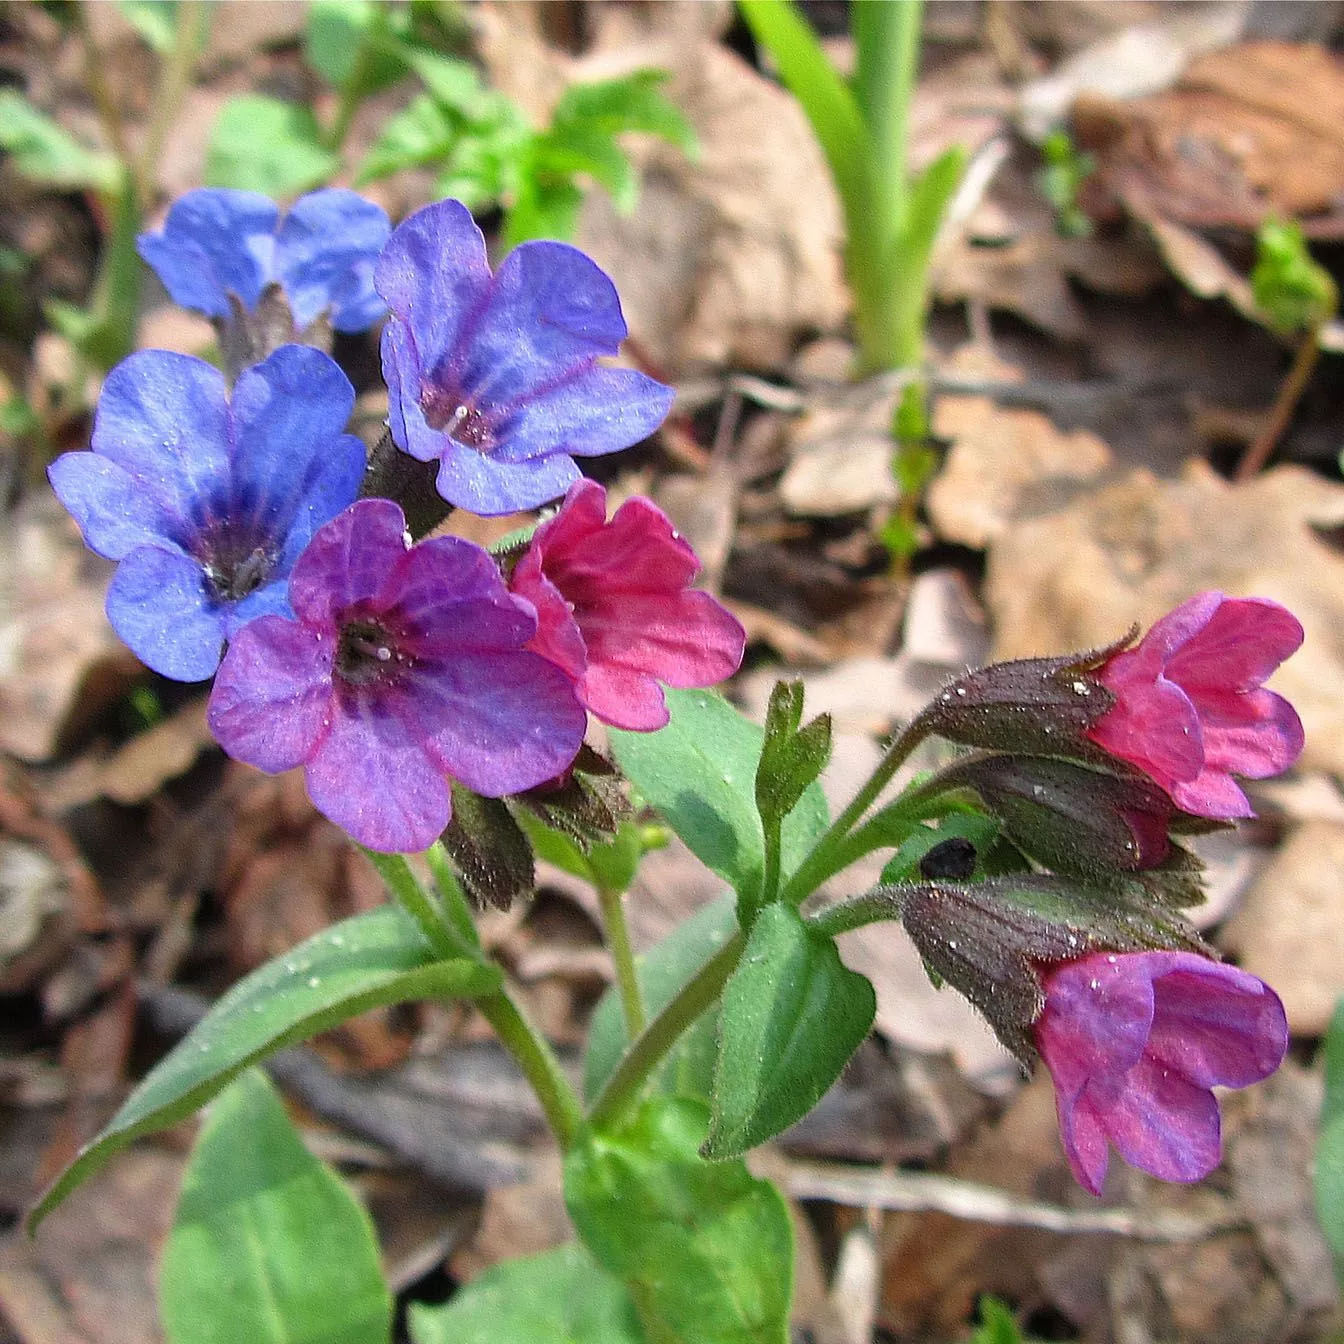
624 1086
623 958
818 865
882 903
528 1047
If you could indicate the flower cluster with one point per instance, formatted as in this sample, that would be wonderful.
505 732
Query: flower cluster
388 670
393 671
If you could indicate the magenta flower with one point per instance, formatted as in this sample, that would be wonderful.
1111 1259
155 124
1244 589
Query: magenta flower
615 611
406 665
496 377
1190 709
1134 1041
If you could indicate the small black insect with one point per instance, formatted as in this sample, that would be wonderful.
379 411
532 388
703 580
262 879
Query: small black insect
952 859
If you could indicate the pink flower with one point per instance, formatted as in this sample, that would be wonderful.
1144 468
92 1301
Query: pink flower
1134 1042
1190 709
614 609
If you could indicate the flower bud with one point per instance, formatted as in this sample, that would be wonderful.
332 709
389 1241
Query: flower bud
1069 817
1035 706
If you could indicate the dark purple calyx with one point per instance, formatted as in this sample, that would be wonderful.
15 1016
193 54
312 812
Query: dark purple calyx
237 559
367 653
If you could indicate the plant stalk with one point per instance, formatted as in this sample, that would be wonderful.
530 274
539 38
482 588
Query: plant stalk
1290 393
528 1047
623 958
624 1086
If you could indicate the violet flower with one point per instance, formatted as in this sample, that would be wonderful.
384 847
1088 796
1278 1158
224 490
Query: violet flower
206 500
615 611
1135 1041
406 665
496 377
216 242
1190 709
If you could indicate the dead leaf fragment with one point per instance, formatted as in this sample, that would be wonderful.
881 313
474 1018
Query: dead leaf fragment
1005 465
1290 928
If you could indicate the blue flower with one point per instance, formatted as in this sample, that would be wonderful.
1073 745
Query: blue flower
217 242
206 500
496 376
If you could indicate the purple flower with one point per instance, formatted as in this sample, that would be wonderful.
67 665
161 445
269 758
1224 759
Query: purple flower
1134 1042
1190 709
216 242
208 501
406 665
496 377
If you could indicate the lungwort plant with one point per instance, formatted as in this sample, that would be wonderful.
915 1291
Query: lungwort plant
437 696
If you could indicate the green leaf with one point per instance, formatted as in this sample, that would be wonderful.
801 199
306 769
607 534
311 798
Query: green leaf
792 1015
154 20
1329 1178
705 1249
700 773
561 1297
791 757
662 971
352 44
422 132
268 1245
46 152
998 1325
559 154
826 98
365 962
634 102
263 144
929 195
540 210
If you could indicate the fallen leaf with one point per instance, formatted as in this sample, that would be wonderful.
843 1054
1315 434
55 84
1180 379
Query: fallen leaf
1290 928
59 659
1005 465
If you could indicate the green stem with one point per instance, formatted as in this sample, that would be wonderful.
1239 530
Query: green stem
334 137
623 958
624 1086
817 866
455 905
882 903
1280 416
172 87
527 1046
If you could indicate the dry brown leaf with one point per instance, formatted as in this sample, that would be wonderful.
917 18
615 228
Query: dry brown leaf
58 656
1005 465
1135 549
1250 132
1290 927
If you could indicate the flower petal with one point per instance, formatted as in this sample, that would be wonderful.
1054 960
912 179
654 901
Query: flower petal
1243 641
294 467
684 639
446 595
325 254
434 276
1084 1140
598 411
214 241
114 516
1164 1124
164 419
497 720
624 697
557 637
347 561
1216 1025
1152 724
1212 793
1260 736
157 602
476 482
374 779
551 311
1097 1016
272 695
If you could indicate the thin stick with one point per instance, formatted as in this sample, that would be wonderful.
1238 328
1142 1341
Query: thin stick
1290 393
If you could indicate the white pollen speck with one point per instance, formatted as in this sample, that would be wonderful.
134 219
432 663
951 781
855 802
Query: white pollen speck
961 690
1095 984
952 943
337 940
313 981
1111 960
